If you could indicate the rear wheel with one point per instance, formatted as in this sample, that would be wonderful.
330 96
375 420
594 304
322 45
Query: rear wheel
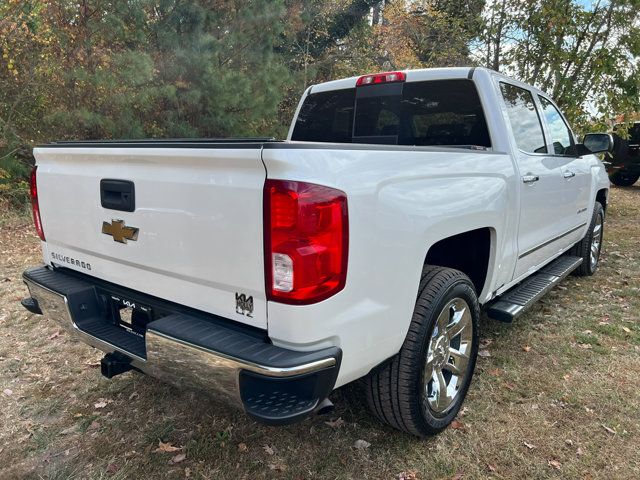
623 179
590 246
421 389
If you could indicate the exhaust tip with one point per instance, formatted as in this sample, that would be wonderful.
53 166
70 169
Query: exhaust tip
324 407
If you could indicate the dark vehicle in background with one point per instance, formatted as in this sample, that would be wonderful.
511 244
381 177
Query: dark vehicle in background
623 164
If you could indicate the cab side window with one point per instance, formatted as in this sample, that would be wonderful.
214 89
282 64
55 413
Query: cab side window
561 137
524 119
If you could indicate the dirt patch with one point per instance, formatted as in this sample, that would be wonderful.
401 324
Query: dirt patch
558 396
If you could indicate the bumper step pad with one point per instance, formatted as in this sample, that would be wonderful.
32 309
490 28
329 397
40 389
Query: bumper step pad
519 299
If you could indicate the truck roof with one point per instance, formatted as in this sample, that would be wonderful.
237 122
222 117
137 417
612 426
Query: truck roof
422 74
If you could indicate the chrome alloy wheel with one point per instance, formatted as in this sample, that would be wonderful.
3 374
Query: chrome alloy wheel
448 356
596 242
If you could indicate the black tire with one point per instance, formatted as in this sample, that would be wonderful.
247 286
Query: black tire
583 248
395 390
623 179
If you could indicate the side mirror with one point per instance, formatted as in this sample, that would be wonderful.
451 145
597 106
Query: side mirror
598 142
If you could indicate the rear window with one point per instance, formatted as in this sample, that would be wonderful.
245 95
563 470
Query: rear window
438 112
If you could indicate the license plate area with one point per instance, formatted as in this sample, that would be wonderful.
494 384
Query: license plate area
130 315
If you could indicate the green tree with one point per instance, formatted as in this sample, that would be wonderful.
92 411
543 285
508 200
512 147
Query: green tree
170 68
584 55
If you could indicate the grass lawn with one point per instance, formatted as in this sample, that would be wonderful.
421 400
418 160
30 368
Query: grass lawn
556 395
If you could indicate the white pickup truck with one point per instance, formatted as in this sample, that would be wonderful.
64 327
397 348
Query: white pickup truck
365 246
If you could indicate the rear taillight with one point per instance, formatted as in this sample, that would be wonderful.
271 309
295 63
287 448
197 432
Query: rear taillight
376 78
306 238
35 207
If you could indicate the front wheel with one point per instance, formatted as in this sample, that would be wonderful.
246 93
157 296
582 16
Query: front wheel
622 179
420 390
590 246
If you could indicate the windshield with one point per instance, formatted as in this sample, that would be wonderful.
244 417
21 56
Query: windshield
437 112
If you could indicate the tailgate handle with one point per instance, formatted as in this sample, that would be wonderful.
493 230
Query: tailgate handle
118 195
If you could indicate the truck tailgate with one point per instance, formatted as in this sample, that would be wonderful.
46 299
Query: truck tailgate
198 212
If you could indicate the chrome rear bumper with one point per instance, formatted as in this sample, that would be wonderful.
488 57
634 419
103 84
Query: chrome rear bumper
273 384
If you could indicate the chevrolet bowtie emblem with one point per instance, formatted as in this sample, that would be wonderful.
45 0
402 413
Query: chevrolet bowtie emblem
119 231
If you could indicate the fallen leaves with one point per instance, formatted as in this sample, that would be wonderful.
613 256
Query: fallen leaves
100 404
178 458
242 447
608 429
526 348
555 464
408 475
626 329
361 444
457 425
509 386
269 450
338 422
166 448
55 334
69 430
8 392
485 342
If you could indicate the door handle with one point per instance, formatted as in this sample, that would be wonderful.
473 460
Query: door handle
568 174
530 178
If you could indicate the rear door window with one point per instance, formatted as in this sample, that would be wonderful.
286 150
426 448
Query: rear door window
524 119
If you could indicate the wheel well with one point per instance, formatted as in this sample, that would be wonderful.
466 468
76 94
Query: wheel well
601 197
468 252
